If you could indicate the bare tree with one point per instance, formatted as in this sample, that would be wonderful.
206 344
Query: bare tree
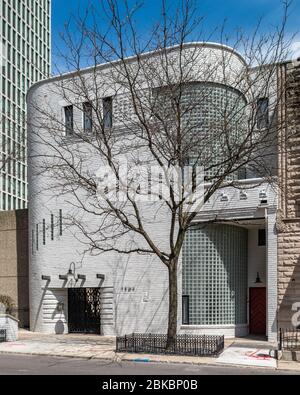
156 101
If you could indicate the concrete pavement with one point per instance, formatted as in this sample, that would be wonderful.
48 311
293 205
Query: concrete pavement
87 346
103 348
48 365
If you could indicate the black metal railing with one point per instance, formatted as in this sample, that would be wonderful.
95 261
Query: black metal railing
289 339
195 345
2 335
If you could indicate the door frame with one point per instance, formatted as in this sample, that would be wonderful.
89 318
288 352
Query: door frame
266 311
85 329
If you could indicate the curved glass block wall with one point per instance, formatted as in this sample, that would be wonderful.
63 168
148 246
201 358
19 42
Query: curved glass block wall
215 274
212 120
218 116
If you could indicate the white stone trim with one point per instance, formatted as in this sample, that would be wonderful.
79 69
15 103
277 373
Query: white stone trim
229 331
271 257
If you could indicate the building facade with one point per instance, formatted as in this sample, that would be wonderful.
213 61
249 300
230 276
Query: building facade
24 60
228 271
289 200
14 280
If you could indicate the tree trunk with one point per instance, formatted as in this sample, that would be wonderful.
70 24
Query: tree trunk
173 303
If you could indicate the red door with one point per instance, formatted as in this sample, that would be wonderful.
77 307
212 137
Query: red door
258 309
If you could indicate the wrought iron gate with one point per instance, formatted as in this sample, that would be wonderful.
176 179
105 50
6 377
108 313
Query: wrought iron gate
84 310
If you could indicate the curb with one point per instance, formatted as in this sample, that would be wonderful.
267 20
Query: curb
144 360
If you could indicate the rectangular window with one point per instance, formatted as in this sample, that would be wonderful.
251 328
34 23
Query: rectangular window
60 223
52 227
69 120
185 310
261 237
32 241
87 117
44 232
37 237
262 113
107 112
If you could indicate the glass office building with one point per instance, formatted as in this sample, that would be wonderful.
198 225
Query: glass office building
24 59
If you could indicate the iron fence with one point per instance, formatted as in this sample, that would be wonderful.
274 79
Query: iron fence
2 335
195 345
289 339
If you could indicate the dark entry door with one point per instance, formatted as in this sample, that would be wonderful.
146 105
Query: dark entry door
84 310
258 311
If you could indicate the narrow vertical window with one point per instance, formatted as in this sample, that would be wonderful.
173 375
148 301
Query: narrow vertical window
160 181
87 117
37 237
262 114
32 241
107 112
149 181
44 232
52 227
60 223
261 237
69 120
185 310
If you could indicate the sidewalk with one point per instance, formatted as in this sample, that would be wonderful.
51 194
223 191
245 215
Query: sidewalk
87 346
102 347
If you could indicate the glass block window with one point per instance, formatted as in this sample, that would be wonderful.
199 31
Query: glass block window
216 120
213 121
215 274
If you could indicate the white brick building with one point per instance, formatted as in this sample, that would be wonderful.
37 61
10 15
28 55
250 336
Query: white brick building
228 271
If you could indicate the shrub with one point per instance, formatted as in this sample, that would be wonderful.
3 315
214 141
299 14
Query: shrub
8 303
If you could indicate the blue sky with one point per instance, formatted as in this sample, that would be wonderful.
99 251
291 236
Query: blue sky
238 14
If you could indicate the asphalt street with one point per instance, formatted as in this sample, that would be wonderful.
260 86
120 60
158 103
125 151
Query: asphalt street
44 365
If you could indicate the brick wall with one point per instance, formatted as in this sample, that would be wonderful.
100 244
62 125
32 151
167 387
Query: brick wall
288 221
14 261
